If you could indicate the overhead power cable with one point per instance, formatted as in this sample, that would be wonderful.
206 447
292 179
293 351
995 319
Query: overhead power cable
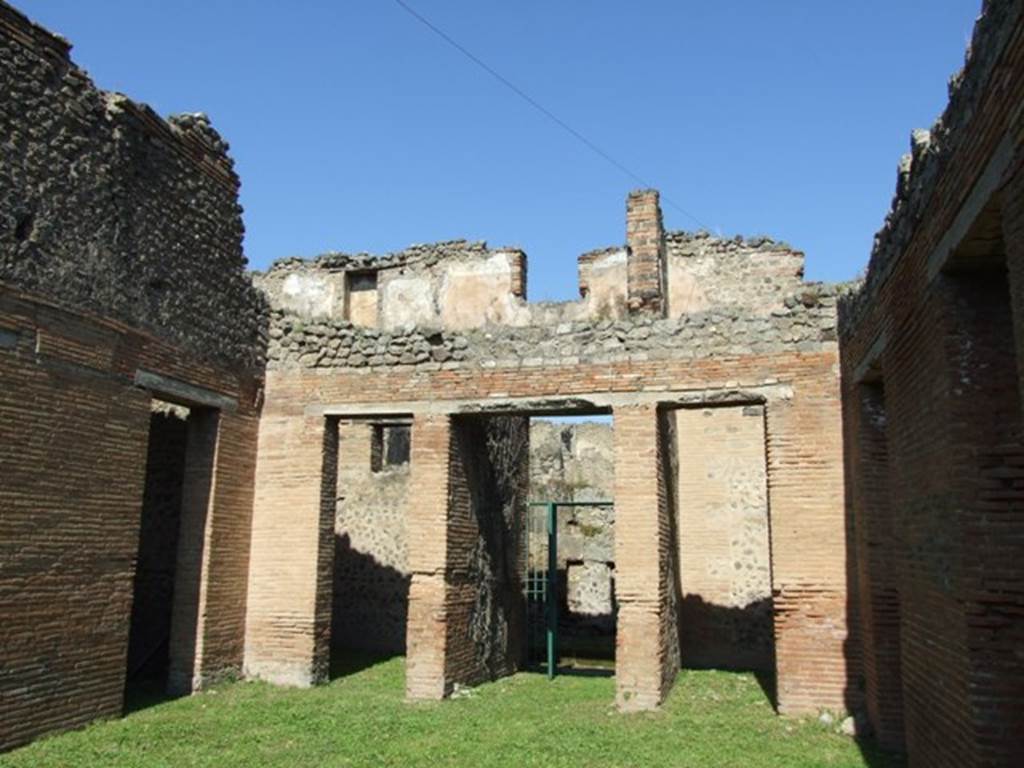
541 108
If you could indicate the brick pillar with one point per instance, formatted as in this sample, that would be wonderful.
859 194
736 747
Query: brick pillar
813 650
430 457
292 555
464 598
226 563
647 650
645 240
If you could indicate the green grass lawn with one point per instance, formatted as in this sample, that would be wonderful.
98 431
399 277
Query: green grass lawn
711 719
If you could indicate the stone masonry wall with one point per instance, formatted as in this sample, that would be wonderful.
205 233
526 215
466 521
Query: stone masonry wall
805 322
576 462
371 571
756 274
121 280
725 619
96 193
457 284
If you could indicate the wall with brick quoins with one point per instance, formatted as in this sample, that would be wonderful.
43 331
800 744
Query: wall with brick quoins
120 250
932 409
780 342
68 371
804 471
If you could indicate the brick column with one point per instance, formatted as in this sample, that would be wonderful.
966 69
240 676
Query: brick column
645 266
292 555
430 457
808 544
647 651
464 598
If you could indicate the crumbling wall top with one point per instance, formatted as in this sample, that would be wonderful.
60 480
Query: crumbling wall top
919 171
111 209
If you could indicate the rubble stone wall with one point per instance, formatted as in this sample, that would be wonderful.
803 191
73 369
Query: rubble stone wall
121 279
725 619
371 569
109 208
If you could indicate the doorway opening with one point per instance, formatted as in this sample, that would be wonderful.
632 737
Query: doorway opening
165 617
569 546
725 614
156 561
371 571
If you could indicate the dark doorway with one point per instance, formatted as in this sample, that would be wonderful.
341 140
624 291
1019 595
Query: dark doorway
156 563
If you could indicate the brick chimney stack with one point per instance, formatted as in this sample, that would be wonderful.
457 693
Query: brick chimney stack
645 241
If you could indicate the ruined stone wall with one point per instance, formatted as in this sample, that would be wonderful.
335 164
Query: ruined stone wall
754 275
455 284
121 279
429 303
930 328
806 322
97 193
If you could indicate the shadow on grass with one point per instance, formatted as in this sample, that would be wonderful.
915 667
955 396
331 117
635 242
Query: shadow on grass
876 757
766 679
345 662
145 693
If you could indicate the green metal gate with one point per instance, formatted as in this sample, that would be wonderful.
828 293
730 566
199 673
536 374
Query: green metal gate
541 580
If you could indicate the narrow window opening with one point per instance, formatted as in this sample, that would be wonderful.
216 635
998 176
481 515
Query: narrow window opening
389 447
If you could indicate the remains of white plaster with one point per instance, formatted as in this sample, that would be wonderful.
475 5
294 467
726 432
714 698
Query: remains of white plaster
475 293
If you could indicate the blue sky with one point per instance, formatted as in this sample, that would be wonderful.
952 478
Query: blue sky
355 128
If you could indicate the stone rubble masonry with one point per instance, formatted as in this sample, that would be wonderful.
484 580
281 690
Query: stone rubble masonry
926 341
806 323
107 208
121 280
723 549
371 571
645 260
576 462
